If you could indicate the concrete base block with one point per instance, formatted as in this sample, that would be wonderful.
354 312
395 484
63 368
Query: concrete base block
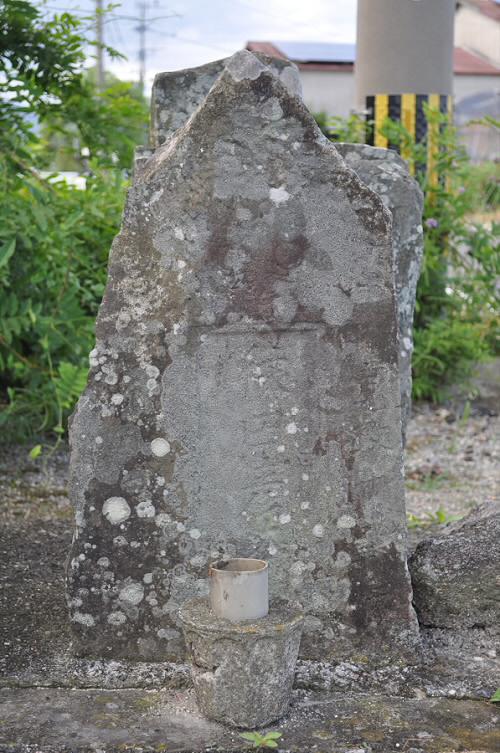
242 672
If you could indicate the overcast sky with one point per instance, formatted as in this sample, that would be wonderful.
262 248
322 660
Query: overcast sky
205 30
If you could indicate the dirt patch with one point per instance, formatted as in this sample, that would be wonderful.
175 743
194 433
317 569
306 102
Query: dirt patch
34 489
32 606
452 464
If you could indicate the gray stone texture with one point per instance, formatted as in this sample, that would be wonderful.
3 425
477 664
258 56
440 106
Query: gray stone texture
456 574
177 94
55 720
32 609
244 398
387 174
242 672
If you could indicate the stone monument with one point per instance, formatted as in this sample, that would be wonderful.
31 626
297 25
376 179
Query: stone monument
244 393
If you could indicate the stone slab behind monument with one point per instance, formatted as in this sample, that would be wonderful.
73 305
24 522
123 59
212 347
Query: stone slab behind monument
244 395
455 573
387 174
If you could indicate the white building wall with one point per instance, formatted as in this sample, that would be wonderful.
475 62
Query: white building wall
464 86
478 33
334 93
328 91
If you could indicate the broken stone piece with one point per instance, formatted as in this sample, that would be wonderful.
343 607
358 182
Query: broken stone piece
387 174
242 671
456 574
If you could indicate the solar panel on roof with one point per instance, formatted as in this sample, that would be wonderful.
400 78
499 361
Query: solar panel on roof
318 52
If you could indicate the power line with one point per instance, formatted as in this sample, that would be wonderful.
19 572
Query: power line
116 27
143 25
75 11
186 40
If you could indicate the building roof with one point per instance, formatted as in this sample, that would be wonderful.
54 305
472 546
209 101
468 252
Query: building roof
267 48
310 56
490 8
322 56
467 63
319 52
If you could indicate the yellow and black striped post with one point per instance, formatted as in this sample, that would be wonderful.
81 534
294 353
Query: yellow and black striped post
404 60
409 110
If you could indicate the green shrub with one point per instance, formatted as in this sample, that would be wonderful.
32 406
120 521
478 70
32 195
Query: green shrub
456 316
57 238
336 128
445 352
484 185
54 238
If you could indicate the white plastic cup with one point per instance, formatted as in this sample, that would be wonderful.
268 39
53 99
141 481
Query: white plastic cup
239 589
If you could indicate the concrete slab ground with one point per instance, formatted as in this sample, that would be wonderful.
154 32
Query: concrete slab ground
73 721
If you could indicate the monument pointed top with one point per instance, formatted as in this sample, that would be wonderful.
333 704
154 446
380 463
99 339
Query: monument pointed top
248 111
243 64
268 104
177 94
248 65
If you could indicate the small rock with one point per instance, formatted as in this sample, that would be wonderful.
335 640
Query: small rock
454 575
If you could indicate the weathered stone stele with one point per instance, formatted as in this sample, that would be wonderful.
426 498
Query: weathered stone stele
244 395
387 174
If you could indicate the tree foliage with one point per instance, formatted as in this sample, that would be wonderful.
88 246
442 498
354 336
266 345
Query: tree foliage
54 237
40 68
456 317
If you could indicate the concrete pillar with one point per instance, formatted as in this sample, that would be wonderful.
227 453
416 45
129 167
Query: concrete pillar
404 60
404 46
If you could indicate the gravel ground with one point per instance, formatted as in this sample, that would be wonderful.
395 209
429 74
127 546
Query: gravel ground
452 464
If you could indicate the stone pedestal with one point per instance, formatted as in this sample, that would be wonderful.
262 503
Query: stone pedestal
242 672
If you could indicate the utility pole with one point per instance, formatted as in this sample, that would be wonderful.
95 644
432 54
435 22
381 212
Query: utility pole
144 25
404 58
99 27
141 28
